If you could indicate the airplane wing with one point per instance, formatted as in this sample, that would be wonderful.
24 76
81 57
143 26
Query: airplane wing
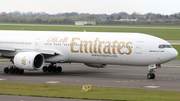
7 49
46 52
42 51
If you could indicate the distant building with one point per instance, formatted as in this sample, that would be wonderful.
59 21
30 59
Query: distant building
126 20
85 22
3 14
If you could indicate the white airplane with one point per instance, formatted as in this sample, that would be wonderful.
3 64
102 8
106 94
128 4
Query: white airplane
30 50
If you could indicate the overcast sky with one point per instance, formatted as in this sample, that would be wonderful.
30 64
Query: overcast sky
91 6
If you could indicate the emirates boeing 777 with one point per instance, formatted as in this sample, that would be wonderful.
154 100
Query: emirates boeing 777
30 50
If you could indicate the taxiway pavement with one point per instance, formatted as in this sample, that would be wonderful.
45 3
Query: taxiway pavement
167 77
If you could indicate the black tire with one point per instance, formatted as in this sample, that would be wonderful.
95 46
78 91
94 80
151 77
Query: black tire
59 69
21 71
153 76
45 69
149 76
11 70
16 71
6 70
49 68
54 69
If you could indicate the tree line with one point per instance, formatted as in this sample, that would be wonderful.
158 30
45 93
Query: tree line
121 18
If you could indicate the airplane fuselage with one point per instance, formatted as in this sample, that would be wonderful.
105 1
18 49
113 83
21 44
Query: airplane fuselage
29 50
89 47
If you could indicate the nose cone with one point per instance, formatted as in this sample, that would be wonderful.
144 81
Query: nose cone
173 54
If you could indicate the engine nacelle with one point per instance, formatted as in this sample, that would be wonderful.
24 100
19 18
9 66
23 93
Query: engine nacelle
96 65
29 60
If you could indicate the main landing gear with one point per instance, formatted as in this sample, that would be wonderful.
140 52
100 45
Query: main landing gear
13 70
49 68
52 68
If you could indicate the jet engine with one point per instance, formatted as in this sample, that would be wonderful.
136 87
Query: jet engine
96 65
29 60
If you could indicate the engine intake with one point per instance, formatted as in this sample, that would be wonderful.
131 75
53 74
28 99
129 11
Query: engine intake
29 60
96 65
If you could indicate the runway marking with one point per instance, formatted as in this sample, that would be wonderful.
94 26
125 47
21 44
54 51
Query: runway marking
162 79
172 66
52 82
153 87
169 78
1 79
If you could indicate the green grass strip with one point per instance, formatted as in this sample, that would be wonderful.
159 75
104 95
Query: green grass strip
167 33
75 92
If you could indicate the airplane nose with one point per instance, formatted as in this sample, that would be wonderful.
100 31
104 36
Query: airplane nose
173 53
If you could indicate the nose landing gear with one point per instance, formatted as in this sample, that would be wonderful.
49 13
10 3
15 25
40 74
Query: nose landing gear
151 74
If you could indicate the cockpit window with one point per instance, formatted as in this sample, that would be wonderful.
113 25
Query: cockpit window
164 46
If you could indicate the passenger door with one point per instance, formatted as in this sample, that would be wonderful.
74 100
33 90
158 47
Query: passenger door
139 46
37 43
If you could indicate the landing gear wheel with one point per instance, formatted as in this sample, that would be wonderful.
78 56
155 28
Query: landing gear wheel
21 71
54 69
49 68
45 69
153 75
150 75
59 69
16 70
6 70
11 70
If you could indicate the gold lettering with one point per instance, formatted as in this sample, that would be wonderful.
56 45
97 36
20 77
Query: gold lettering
65 39
107 48
72 45
99 46
86 46
114 46
129 48
95 45
120 46
54 39
57 39
49 39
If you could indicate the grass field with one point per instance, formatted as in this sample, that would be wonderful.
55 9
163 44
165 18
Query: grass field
167 33
99 93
